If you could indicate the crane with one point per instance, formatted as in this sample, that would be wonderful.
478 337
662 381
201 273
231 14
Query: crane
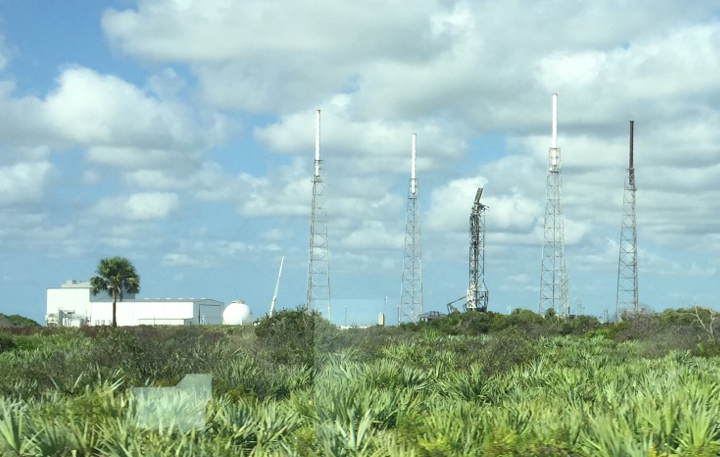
453 309
277 285
477 295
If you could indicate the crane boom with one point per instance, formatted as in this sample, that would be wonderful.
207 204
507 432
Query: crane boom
277 285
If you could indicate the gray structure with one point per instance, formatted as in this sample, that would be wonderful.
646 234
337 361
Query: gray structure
627 283
411 293
318 290
553 272
477 294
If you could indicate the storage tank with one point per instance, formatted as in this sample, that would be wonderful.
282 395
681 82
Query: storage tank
237 313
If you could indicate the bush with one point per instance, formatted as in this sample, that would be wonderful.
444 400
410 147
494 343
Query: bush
6 343
506 350
294 336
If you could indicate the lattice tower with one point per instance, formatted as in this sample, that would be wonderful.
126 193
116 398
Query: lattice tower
477 295
411 289
318 291
627 283
553 271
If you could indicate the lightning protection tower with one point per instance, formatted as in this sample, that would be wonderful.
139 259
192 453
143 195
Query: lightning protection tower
553 273
627 283
318 291
411 293
477 294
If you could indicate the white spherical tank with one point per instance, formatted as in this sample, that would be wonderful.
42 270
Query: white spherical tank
237 313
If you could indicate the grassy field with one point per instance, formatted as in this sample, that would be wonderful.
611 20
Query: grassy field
465 385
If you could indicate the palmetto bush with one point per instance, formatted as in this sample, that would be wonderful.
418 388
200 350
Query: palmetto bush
422 393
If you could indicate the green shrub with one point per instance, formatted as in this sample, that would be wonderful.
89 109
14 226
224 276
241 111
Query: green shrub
294 336
6 343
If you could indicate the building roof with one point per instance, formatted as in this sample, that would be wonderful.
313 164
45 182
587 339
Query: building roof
159 300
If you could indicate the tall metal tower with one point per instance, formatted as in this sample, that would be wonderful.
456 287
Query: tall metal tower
553 273
627 283
477 294
318 291
411 293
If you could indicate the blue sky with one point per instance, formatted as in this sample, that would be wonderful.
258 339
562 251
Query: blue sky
179 134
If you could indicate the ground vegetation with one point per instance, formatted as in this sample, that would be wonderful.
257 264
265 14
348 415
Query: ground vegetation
295 385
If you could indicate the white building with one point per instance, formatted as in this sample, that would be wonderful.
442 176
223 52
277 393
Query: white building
72 305
158 311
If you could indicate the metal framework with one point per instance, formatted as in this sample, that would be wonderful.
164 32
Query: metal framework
553 272
477 294
627 283
318 291
411 289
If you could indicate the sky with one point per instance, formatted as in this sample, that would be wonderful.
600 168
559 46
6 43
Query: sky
179 134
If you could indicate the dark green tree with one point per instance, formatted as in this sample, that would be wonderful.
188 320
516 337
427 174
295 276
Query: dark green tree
115 275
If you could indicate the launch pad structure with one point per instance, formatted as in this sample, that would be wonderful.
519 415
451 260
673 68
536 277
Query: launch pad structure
553 272
411 288
627 282
318 290
477 294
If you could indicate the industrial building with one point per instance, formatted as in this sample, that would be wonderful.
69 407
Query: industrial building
72 305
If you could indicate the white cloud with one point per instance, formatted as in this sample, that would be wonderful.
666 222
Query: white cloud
139 206
139 158
91 108
151 205
368 146
119 123
258 56
206 254
23 182
373 235
174 260
450 205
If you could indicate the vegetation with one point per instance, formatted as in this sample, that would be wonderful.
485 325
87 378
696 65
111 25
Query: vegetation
115 275
15 320
294 385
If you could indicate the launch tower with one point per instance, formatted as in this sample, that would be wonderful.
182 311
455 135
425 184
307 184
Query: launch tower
477 294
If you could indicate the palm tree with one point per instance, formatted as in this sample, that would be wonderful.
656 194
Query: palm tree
116 275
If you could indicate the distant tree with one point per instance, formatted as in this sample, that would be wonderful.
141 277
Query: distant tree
116 275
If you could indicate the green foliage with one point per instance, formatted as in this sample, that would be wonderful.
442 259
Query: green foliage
6 343
435 389
117 276
294 336
15 320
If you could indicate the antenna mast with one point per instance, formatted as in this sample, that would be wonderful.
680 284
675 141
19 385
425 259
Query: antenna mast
318 291
411 294
553 273
477 295
277 285
627 284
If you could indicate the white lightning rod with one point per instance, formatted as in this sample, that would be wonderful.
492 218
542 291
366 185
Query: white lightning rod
554 120
317 143
553 144
277 285
412 164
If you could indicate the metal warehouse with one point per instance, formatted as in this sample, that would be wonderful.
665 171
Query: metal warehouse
72 305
